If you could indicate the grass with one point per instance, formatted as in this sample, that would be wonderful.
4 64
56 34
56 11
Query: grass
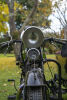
9 70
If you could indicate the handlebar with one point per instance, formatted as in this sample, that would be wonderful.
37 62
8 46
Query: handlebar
57 40
8 43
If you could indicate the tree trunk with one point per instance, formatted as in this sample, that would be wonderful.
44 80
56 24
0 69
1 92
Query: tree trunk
12 23
30 15
65 32
11 17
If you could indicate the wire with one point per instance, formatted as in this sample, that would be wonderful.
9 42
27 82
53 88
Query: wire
49 69
48 65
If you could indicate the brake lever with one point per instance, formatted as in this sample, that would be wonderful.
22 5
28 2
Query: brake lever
6 49
4 45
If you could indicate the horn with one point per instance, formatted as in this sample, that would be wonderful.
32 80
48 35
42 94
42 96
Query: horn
33 37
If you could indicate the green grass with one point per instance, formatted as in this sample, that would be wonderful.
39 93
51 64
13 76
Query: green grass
6 55
9 70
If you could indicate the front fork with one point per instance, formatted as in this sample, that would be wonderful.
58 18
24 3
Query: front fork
21 93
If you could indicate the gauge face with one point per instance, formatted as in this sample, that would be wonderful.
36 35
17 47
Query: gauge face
33 37
33 54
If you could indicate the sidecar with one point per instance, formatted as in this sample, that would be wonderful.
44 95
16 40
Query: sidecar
62 59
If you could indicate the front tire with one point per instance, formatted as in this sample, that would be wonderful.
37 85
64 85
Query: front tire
34 93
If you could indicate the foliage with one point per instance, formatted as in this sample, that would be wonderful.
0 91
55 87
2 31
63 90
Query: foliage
61 9
62 34
60 13
52 34
3 17
22 9
26 3
62 61
41 17
53 47
43 12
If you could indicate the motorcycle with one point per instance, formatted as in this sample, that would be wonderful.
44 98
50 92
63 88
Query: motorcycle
33 84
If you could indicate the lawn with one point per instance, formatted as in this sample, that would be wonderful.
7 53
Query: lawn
9 70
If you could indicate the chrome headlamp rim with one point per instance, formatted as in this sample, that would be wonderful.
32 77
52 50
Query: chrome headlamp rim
30 43
31 55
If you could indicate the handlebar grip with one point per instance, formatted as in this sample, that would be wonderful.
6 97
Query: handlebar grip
54 40
4 45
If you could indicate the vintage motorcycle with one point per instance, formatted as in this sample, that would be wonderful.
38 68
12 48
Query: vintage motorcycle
33 84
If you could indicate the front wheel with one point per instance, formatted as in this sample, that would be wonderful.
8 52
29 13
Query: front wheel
35 93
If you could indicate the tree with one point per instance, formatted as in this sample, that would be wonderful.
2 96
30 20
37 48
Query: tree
19 14
43 11
3 18
60 7
26 14
13 30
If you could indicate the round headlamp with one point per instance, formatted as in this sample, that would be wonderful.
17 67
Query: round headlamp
33 37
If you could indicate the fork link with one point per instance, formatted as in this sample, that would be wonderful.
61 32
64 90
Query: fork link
21 79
